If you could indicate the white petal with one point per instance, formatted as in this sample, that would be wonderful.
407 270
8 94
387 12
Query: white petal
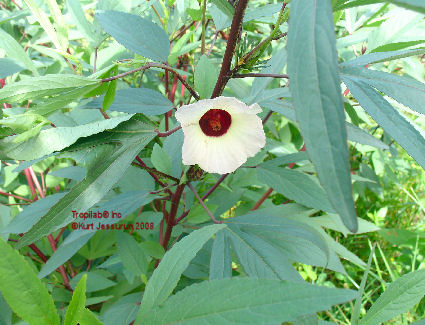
223 154
188 114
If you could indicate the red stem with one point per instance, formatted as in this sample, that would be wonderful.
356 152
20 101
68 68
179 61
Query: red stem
262 199
172 215
230 48
15 196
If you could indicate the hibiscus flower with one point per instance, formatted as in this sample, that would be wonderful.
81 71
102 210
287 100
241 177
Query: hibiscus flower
220 134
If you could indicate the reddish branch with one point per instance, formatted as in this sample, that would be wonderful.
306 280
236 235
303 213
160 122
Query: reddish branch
15 196
155 65
223 77
172 215
262 199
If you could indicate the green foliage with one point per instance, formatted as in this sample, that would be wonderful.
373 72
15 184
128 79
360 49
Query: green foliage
23 291
94 196
317 101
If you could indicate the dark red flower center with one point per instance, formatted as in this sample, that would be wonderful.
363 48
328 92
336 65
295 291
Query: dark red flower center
215 122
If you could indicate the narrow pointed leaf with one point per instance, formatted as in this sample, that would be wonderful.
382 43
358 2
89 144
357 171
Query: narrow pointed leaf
296 186
381 57
317 99
36 87
246 301
134 136
395 124
406 91
399 297
54 139
76 306
164 279
23 290
220 262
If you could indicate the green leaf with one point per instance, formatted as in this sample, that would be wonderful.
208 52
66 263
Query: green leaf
125 204
160 159
164 279
36 87
180 47
377 57
5 312
221 262
295 240
23 290
417 5
54 139
123 311
206 74
76 306
44 21
394 123
88 318
109 97
357 306
359 135
132 256
9 67
399 297
296 186
80 20
95 281
14 50
245 301
136 34
259 258
396 46
62 100
133 136
59 23
406 91
71 172
317 99
137 100
31 214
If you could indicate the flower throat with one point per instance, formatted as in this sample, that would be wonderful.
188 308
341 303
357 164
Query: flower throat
215 122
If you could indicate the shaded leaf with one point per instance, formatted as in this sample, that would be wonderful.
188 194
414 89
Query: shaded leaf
317 99
136 33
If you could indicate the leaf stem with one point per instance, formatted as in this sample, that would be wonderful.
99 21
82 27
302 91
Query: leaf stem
212 189
155 65
15 196
261 75
262 199
204 8
202 202
166 134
